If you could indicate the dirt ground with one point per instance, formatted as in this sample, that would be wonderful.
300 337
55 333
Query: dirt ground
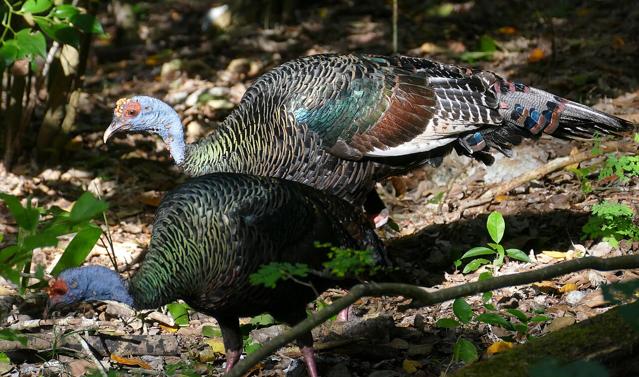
586 53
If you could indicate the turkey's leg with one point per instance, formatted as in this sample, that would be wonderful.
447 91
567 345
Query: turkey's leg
305 342
376 209
344 315
232 338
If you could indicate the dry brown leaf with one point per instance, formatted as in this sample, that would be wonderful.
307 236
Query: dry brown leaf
215 348
594 299
152 60
69 59
559 323
498 347
568 288
168 329
216 344
429 48
130 361
583 11
536 55
502 198
400 185
546 286
507 30
151 198
618 42
555 254
574 151
411 366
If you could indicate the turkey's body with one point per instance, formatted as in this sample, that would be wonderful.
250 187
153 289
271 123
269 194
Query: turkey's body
211 233
341 122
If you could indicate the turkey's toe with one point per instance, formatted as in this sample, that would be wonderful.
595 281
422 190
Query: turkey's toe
380 219
232 356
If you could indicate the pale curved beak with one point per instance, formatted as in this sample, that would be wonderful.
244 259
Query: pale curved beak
113 128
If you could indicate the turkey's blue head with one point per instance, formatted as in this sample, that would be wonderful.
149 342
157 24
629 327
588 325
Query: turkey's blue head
88 283
148 114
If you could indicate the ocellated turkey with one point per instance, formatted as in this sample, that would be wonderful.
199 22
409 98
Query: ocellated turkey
214 231
340 123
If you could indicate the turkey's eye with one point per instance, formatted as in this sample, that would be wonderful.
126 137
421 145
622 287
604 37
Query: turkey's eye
132 109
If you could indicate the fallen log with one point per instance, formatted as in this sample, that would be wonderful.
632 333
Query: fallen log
606 338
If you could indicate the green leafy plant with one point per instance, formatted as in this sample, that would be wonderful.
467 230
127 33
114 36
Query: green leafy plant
95 372
13 335
43 47
269 274
496 227
611 222
182 368
62 23
250 345
179 312
623 168
342 262
582 175
347 261
263 320
39 227
464 350
513 320
211 331
486 49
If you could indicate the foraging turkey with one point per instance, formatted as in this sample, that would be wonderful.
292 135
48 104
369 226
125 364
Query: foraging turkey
340 123
214 231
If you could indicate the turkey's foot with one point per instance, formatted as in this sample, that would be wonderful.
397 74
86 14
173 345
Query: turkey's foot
232 356
344 314
380 219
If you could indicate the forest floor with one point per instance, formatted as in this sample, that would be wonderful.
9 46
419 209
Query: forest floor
586 53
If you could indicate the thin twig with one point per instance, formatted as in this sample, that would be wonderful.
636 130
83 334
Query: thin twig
551 166
298 281
395 16
110 250
429 298
77 323
90 355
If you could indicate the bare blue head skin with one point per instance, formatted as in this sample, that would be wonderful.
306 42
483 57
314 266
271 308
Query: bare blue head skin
87 283
148 114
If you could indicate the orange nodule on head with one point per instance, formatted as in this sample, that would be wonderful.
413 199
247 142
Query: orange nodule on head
57 287
119 106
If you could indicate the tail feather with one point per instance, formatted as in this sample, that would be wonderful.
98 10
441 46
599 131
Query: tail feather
542 111
529 112
578 121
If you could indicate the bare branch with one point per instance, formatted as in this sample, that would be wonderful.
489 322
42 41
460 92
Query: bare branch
426 297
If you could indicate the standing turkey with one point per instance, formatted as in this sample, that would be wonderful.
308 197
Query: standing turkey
214 231
340 123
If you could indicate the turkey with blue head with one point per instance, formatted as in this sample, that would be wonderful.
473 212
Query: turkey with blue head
211 233
340 123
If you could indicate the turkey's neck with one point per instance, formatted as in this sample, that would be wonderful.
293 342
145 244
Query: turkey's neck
106 286
119 295
214 153
172 133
